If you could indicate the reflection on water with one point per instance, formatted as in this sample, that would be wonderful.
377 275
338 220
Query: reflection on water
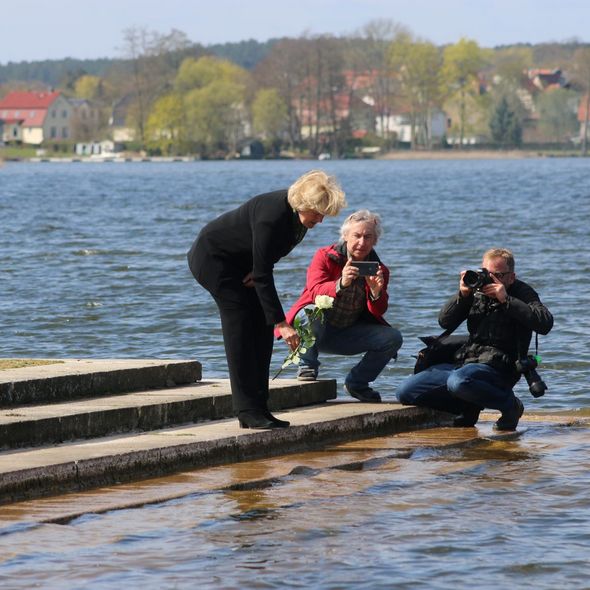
441 508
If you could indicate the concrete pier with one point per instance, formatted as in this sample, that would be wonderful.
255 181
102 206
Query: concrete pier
79 424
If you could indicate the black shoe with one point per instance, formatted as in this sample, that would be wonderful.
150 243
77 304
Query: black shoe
509 420
307 374
364 394
260 420
468 418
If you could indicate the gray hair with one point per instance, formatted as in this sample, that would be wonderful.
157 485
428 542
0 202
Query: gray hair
363 215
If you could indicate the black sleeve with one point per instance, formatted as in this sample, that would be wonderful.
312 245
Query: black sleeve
454 312
270 232
523 304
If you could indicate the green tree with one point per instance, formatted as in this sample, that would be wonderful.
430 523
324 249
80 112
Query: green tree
557 112
462 64
419 66
504 125
88 87
215 115
165 127
269 113
198 73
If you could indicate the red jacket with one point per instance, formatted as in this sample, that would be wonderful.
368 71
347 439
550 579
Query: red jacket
322 277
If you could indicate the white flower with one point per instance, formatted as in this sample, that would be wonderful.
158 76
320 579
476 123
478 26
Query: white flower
324 302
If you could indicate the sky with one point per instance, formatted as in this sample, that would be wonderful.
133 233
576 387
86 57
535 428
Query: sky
85 29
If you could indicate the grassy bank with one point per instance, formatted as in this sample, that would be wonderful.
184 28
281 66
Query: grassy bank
19 363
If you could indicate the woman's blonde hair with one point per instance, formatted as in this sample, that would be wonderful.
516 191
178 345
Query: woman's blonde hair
317 191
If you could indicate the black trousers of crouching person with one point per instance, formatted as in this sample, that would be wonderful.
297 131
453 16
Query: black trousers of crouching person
248 342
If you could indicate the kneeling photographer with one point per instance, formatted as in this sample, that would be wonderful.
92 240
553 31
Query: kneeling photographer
501 312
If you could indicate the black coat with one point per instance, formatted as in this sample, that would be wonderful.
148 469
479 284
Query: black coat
251 238
499 334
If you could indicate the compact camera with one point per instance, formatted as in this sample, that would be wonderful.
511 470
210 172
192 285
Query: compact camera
527 366
476 279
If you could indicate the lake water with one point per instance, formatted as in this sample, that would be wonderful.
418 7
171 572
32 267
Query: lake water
93 265
94 255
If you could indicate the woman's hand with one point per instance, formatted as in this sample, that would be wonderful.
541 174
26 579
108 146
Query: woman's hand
248 281
288 334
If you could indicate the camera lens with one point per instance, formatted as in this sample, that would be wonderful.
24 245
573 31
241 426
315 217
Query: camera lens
471 279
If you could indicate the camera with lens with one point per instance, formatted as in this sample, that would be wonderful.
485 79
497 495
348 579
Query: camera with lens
527 366
476 279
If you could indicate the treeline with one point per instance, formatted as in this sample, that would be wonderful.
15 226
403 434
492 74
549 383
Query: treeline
317 94
58 72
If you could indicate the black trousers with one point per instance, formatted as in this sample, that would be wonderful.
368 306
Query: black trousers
248 342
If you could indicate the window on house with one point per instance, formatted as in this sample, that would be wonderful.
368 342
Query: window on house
64 114
53 114
53 132
64 132
14 132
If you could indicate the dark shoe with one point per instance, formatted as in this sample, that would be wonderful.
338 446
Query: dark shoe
468 418
260 420
307 374
509 420
364 394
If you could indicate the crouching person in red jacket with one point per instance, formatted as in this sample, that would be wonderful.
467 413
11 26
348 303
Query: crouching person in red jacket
355 323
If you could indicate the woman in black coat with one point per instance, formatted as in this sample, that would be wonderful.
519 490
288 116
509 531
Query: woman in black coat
233 258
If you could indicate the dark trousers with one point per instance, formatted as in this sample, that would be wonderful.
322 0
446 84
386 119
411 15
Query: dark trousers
248 342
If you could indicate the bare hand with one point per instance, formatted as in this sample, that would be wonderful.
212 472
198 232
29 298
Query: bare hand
289 335
376 283
495 290
349 274
463 288
248 281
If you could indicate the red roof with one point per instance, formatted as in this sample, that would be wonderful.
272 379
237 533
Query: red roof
28 100
29 108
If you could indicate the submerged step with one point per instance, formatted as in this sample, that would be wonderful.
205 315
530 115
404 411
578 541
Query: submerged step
78 378
147 410
44 471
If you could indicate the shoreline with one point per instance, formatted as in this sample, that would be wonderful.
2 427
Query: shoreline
474 154
448 154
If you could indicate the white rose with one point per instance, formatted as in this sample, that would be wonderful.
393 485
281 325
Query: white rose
324 302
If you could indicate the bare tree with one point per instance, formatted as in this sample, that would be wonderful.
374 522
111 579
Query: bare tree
582 75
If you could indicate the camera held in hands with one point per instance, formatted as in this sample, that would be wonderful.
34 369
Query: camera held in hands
527 367
476 279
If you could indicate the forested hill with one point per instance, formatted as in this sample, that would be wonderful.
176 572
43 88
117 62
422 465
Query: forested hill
246 54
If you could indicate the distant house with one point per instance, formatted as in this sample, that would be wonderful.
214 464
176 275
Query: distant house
35 118
85 120
400 124
121 131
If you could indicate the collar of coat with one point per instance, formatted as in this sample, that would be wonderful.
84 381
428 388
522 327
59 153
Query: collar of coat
339 254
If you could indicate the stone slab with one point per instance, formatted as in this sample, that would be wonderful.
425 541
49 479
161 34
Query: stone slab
78 378
146 410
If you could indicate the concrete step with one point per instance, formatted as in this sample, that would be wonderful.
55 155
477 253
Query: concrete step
145 410
75 466
70 379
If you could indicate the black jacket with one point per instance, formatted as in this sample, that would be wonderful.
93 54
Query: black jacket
499 333
251 238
